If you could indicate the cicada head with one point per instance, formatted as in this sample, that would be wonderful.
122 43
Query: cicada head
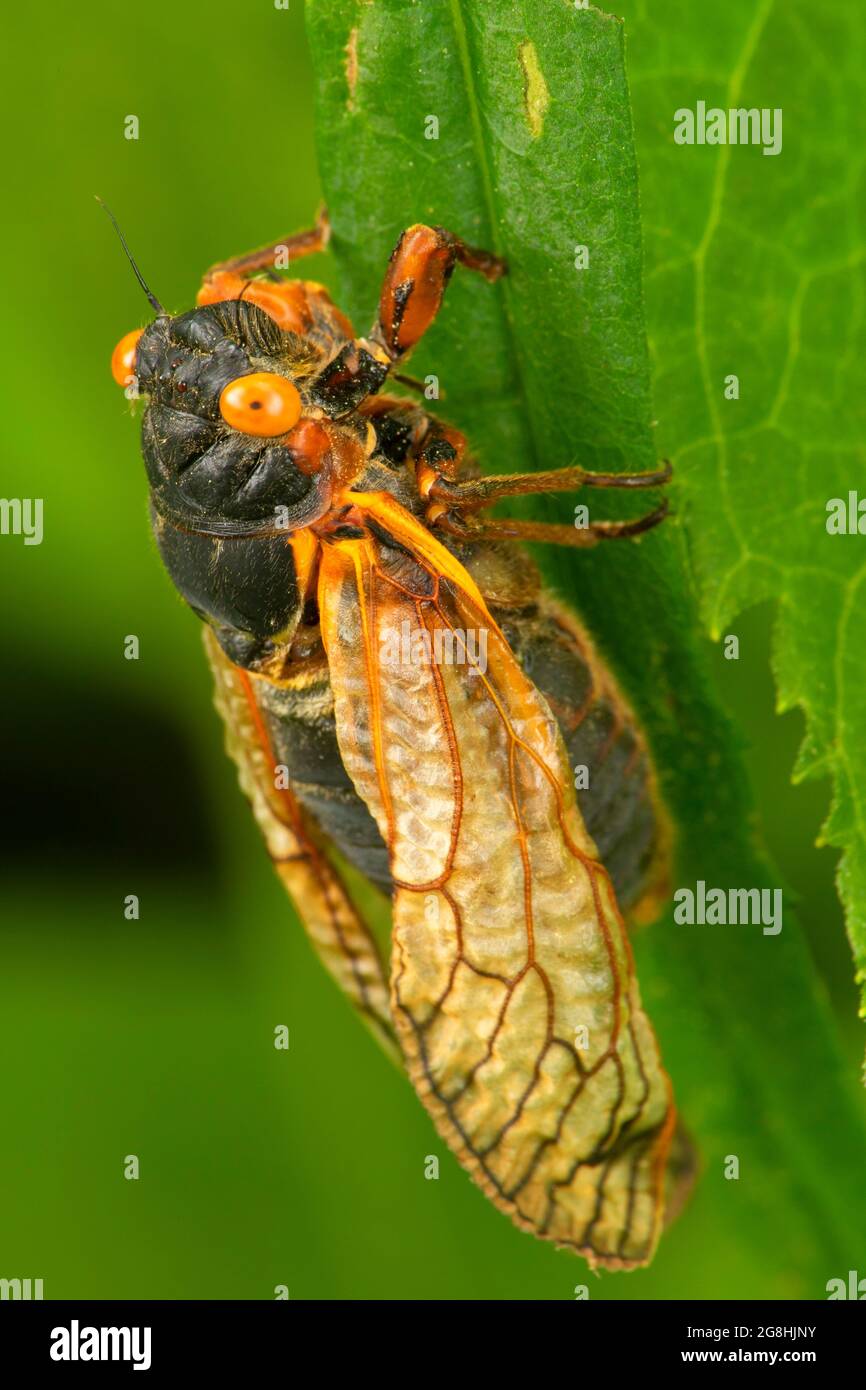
247 436
227 390
250 436
239 456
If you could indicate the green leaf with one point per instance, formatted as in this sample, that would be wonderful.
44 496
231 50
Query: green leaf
761 272
534 158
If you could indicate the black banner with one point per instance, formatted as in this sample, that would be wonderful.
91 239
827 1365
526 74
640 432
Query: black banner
155 1338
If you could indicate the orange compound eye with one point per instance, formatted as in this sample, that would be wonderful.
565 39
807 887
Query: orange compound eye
123 357
263 404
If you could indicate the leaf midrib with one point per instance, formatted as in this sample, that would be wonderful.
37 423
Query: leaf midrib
461 41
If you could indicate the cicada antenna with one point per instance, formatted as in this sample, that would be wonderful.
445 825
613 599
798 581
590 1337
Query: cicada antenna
129 256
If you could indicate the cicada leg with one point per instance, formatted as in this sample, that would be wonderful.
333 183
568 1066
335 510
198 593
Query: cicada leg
472 494
548 533
439 457
298 306
306 243
454 502
415 282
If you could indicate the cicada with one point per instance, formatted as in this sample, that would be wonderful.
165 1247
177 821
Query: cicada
371 633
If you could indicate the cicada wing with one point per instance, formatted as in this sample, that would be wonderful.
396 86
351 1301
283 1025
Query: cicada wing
513 989
338 933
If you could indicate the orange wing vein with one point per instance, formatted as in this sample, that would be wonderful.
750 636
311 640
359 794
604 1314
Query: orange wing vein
338 933
512 984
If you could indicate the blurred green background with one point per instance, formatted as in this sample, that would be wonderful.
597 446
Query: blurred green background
155 1037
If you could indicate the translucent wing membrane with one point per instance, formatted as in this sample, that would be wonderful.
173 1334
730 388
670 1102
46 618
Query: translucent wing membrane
512 989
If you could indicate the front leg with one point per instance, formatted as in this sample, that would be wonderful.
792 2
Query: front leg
418 273
415 281
306 243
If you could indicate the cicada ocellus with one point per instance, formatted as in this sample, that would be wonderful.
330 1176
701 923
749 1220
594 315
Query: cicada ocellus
371 632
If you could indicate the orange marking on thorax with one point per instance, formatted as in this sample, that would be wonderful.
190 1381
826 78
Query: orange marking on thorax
305 547
286 303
